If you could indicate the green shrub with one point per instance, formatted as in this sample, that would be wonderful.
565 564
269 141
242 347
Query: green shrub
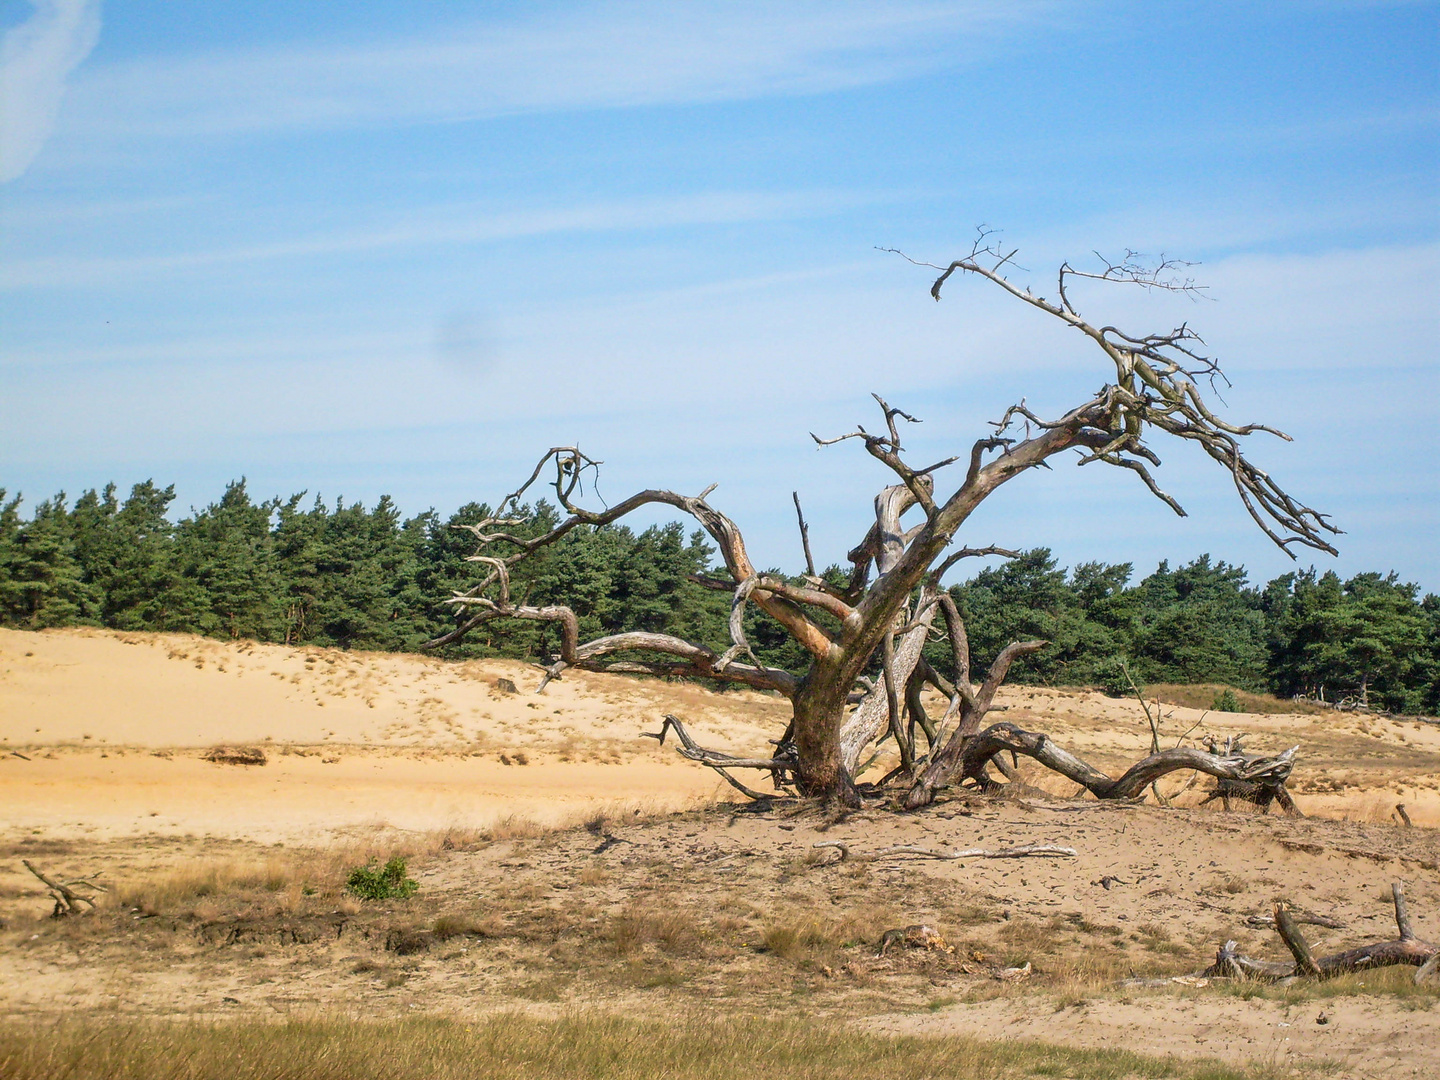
388 882
1115 679
1226 701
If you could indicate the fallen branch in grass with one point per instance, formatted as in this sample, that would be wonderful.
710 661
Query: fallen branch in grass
67 900
1406 949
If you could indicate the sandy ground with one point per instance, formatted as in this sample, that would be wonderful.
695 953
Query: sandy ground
115 726
102 738
1362 1035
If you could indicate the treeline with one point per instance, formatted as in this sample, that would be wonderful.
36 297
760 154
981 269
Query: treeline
350 576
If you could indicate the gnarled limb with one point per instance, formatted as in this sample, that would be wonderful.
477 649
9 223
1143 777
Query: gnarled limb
1406 949
67 900
971 705
781 767
972 754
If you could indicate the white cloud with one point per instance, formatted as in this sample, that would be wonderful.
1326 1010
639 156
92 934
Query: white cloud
36 58
613 55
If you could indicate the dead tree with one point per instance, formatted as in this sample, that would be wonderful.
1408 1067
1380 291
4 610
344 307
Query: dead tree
894 596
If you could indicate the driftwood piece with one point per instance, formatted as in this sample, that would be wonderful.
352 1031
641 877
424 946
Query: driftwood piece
67 900
1267 922
1026 851
1406 949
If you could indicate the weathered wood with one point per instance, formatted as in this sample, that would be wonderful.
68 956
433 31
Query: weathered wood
972 754
67 900
1406 949
1027 851
781 768
1294 941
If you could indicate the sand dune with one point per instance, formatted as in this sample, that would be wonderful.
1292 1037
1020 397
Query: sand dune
114 727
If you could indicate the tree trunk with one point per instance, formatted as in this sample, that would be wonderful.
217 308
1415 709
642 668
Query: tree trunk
871 717
819 713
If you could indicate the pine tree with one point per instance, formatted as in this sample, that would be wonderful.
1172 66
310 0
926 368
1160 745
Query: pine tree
43 583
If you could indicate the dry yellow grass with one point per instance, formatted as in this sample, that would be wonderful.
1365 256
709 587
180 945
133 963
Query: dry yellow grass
520 1047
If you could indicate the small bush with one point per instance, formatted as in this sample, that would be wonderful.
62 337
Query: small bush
1115 679
388 882
1226 701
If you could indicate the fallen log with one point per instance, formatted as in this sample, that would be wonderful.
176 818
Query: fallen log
1406 949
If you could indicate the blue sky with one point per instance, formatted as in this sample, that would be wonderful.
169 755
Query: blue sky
370 248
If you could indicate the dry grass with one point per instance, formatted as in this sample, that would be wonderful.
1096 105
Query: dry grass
1203 695
185 887
518 1047
1394 982
806 938
485 925
652 921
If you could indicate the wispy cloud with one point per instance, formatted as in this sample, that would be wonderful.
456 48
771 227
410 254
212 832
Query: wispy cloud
36 58
635 53
450 225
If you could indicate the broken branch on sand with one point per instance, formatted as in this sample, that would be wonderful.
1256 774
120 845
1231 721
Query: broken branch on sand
1406 949
1040 851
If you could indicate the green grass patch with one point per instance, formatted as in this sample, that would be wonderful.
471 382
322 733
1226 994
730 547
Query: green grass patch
517 1047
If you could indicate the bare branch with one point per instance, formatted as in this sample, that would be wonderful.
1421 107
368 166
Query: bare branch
804 535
